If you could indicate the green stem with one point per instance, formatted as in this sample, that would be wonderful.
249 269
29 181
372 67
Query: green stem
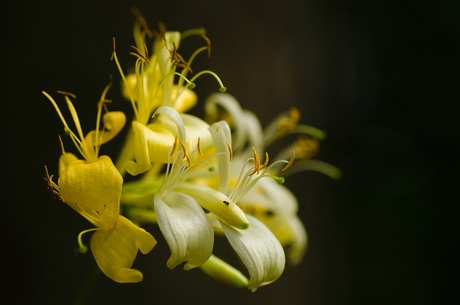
87 286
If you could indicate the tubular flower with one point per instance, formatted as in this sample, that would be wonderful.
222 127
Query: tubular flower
92 187
196 179
179 207
151 86
269 201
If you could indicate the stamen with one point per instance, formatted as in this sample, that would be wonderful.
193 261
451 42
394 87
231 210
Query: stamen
62 145
120 70
139 55
173 147
140 18
185 152
198 146
230 151
67 93
266 161
208 42
52 187
256 162
290 161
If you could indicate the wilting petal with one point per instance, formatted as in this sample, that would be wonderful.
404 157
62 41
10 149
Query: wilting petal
94 186
116 250
186 229
260 251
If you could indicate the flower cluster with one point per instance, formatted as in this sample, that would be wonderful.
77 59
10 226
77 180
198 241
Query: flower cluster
196 179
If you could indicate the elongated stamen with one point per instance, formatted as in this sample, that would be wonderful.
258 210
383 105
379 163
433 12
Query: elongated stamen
123 77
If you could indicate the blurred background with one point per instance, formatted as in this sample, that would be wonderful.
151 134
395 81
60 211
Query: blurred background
380 77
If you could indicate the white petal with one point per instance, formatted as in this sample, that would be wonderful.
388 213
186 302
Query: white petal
260 251
186 229
221 135
231 105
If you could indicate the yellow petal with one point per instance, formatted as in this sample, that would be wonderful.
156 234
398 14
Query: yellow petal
93 186
185 101
65 160
151 144
114 122
115 250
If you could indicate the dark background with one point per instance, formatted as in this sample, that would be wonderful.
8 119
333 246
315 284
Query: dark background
381 77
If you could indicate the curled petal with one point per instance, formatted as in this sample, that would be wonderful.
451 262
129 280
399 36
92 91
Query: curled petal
260 251
116 250
186 229
114 122
151 144
93 187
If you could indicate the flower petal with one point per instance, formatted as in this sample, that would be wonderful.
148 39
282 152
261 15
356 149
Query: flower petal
116 250
94 186
186 229
292 234
151 144
216 203
260 251
114 122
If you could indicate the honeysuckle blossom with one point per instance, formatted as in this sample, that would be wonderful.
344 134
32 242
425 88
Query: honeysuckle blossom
197 179
152 86
92 187
269 200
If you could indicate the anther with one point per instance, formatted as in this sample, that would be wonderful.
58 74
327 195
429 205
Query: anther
256 162
290 161
266 161
230 151
174 147
198 146
185 152
67 93
113 49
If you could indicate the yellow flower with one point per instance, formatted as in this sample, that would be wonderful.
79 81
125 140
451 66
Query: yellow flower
153 85
92 187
